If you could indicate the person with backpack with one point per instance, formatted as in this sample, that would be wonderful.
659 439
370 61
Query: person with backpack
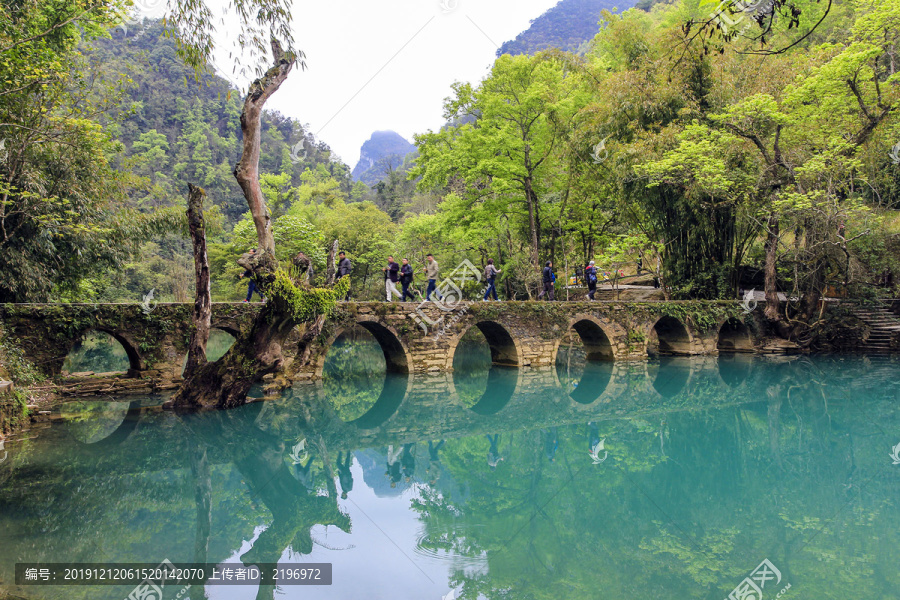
549 278
391 277
406 279
490 274
251 287
590 276
344 268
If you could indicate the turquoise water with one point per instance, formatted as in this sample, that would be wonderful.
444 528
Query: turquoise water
489 481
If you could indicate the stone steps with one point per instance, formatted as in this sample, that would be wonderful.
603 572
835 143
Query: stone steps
884 327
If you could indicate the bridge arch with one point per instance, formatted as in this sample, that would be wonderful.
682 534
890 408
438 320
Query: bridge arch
395 388
135 362
734 336
221 339
669 336
596 337
505 350
594 372
228 326
396 355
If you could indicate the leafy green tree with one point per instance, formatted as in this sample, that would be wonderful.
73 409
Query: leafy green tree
497 164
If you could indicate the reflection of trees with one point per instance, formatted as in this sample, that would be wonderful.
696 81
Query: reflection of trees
692 523
734 485
96 351
64 515
91 421
354 373
471 366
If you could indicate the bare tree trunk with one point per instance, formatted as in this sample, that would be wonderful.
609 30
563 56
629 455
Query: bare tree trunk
532 223
771 247
811 297
203 500
202 315
331 269
247 169
258 349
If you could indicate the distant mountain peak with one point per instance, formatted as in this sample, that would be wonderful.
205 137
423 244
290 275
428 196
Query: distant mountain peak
566 26
376 152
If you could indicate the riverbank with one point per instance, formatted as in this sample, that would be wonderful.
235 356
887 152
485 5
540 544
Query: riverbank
17 400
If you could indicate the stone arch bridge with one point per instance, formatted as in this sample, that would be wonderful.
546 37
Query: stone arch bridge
415 339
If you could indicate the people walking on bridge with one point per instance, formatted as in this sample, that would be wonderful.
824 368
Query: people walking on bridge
406 279
408 461
344 475
490 274
393 465
345 267
590 276
391 277
251 287
549 278
431 271
551 443
493 456
434 461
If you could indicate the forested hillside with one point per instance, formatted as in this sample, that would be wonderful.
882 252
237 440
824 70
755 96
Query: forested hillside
175 130
566 26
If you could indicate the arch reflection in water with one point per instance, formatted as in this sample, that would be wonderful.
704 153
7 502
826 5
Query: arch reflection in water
483 381
101 423
357 382
100 352
584 362
669 374
734 369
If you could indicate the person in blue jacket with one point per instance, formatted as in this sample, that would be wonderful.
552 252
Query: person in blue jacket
590 276
549 278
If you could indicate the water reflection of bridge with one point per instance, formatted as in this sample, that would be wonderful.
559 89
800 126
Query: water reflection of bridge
54 491
411 408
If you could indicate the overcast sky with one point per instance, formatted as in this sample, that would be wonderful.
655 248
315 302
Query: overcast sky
388 64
